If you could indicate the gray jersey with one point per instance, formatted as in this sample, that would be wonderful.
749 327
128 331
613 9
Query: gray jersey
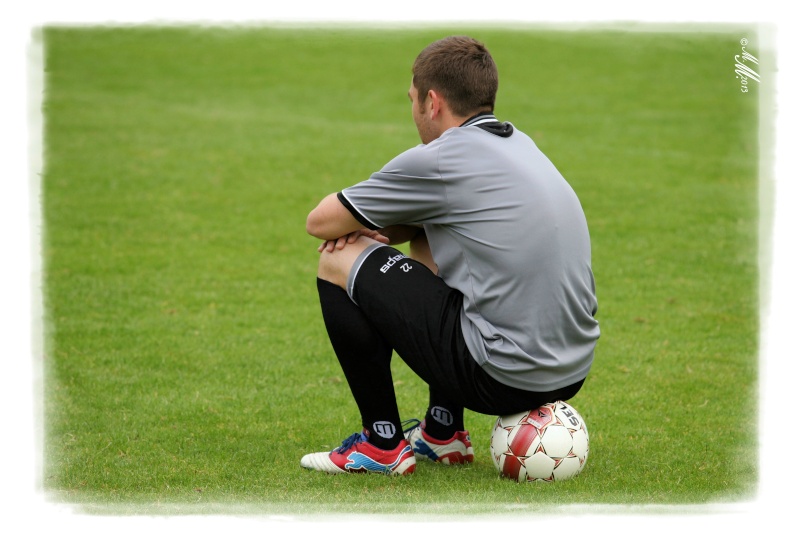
508 232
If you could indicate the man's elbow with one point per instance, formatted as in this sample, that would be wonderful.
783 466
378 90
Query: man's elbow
330 220
314 226
320 226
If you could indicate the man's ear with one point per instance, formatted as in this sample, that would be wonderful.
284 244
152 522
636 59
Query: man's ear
434 104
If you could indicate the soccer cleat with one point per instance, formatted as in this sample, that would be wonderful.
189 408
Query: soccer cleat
456 450
356 455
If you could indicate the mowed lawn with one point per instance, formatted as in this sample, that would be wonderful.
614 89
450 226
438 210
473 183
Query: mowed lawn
186 365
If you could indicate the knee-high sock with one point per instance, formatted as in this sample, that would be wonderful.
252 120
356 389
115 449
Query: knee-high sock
365 358
444 417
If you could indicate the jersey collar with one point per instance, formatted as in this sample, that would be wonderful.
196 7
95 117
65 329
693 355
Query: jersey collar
488 122
484 117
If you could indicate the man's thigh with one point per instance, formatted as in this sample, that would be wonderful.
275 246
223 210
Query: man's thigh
414 310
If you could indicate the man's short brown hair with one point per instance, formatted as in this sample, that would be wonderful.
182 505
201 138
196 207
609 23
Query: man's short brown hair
461 70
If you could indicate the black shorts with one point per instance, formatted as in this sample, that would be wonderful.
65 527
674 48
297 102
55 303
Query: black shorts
420 316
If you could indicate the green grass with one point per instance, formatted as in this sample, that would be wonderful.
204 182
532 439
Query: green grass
186 364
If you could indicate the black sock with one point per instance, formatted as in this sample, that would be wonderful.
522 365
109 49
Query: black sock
444 417
365 358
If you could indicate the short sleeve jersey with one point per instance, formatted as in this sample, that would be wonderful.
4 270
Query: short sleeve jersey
507 231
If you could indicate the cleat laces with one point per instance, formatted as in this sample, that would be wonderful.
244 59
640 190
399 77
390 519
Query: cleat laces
408 425
347 443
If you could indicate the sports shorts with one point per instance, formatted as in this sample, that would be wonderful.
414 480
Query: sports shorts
420 316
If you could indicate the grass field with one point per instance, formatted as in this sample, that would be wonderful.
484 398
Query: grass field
186 364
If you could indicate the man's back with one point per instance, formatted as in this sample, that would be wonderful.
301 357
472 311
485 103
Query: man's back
508 232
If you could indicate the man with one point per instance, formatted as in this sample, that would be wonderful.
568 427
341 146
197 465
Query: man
495 308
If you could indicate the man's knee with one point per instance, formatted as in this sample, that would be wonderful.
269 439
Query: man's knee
329 268
335 266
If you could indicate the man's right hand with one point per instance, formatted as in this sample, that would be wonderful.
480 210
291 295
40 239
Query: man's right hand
350 238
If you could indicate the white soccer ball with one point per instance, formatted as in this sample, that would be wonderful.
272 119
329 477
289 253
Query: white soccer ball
550 443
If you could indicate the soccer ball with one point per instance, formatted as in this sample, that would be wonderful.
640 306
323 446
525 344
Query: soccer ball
549 443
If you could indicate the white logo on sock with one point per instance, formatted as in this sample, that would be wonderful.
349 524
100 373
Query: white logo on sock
442 415
384 429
